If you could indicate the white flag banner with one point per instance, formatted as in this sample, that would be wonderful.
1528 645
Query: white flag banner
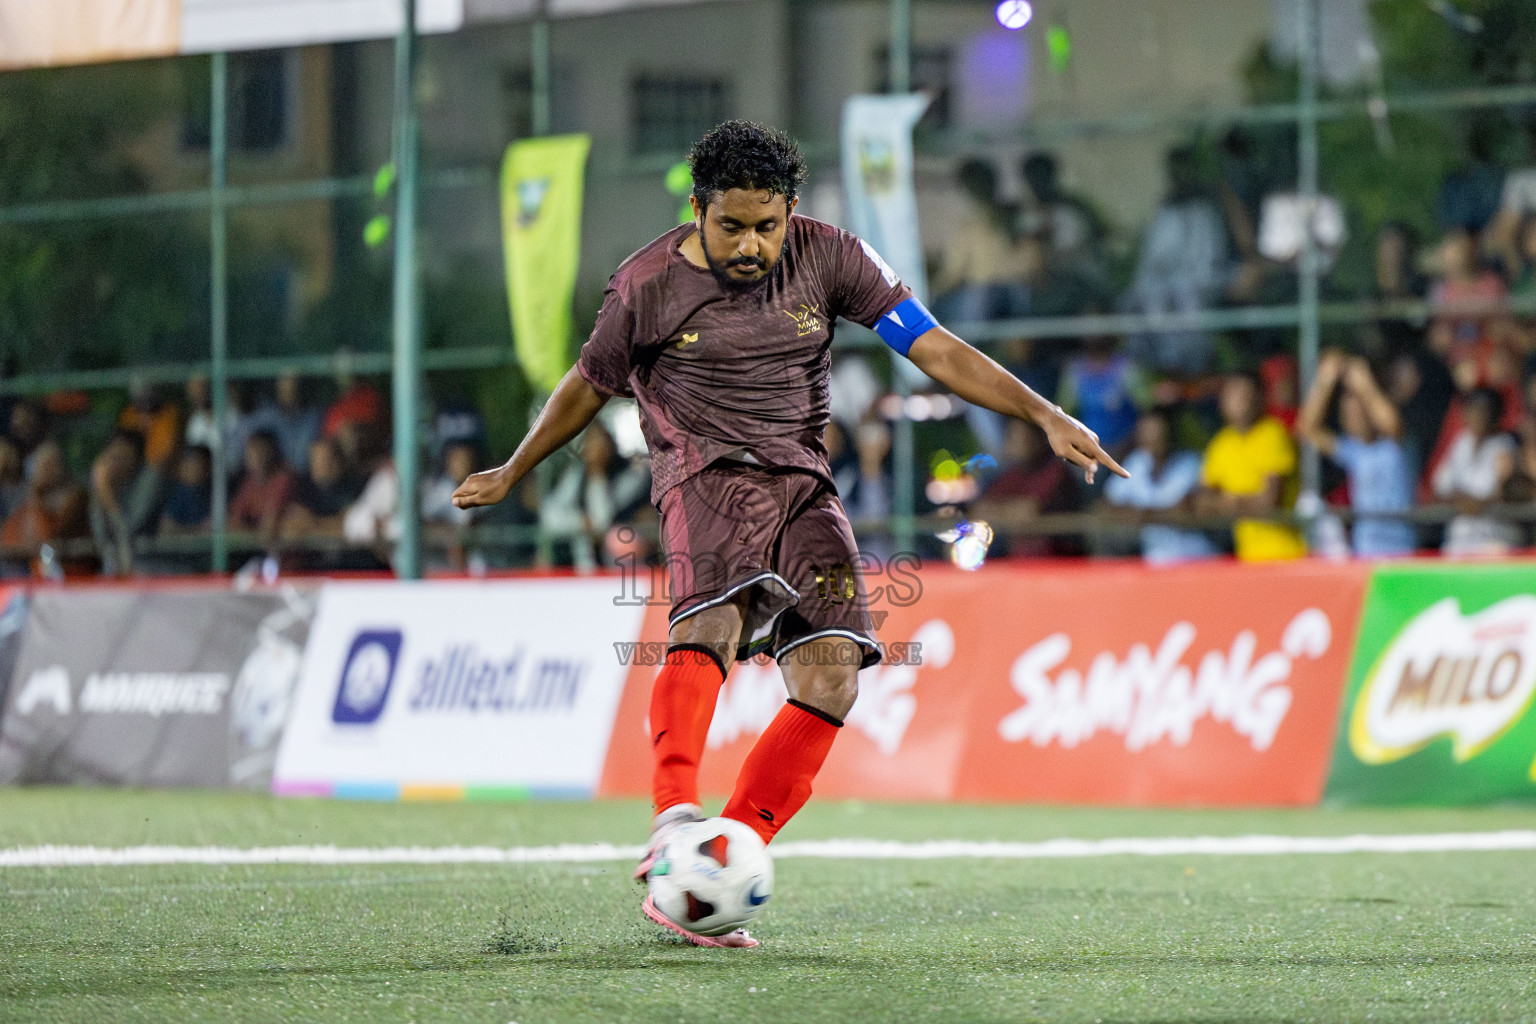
877 180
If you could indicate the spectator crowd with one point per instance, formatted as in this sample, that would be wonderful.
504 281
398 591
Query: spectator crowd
311 486
1424 414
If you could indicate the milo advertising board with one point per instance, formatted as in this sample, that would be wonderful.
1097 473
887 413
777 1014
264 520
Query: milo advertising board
1439 705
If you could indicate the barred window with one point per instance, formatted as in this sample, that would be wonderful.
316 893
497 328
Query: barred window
670 114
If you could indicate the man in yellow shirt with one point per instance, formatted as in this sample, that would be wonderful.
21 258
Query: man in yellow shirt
1250 469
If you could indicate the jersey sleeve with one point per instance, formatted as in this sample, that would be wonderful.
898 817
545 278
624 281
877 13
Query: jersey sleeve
605 357
866 288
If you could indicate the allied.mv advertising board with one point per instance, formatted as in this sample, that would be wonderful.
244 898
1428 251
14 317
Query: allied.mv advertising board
458 690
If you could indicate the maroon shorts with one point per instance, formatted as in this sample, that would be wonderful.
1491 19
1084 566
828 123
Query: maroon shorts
780 534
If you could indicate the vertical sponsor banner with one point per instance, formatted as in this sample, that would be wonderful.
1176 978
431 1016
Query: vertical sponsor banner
1441 705
165 688
457 690
1201 684
1210 684
541 193
877 180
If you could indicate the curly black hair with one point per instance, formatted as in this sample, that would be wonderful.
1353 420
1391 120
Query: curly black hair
746 155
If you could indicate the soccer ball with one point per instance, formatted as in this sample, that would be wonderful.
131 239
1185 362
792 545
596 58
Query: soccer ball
712 876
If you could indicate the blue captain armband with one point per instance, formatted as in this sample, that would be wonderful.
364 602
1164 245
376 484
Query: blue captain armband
905 324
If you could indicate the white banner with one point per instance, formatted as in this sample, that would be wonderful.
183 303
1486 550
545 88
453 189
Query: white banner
439 688
877 180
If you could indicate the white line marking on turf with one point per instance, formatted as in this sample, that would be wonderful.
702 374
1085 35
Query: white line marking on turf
839 849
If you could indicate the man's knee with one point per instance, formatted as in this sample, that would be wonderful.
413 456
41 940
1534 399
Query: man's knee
824 674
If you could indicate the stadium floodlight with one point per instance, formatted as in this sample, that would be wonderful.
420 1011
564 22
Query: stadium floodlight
1014 14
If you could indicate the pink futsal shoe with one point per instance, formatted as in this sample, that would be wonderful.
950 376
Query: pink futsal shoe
738 939
661 828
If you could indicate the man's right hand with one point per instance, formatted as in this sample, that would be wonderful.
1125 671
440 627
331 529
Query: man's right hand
485 488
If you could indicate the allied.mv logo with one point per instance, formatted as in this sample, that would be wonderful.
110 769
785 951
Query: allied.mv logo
366 676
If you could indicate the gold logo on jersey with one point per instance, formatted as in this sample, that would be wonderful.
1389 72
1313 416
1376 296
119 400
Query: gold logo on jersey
807 321
688 339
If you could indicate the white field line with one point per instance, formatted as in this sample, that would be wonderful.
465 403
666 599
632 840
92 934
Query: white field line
838 849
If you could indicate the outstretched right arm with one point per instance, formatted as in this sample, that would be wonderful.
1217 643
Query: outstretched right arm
573 405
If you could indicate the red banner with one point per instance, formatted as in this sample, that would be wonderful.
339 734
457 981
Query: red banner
1202 684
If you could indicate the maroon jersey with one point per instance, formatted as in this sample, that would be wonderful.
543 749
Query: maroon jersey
718 372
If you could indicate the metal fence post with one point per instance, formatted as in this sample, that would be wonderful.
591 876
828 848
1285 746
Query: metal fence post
1307 185
407 328
218 376
903 442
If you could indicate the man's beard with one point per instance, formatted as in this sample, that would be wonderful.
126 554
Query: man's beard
721 271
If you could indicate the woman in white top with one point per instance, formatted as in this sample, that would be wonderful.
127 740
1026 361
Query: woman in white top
1472 476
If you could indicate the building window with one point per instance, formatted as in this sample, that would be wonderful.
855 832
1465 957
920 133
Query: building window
261 84
932 68
669 114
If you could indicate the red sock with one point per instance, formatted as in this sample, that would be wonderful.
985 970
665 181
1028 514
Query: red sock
775 781
682 705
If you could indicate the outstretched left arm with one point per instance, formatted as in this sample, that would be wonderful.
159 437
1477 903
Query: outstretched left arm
978 379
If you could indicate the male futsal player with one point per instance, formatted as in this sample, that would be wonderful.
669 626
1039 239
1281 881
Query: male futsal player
721 330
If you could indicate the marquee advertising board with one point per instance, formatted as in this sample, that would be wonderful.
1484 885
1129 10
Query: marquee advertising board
1210 684
157 688
457 689
1439 707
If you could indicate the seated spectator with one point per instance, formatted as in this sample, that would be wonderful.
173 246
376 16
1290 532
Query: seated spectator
1420 384
1073 232
1249 470
53 510
445 521
1521 487
1279 374
321 496
1397 279
264 488
13 486
127 493
1380 481
201 431
189 508
359 402
460 459
981 272
1462 334
373 519
157 421
591 495
27 429
1182 268
1161 480
1103 388
457 422
199 396
1473 475
290 419
1518 331
1032 482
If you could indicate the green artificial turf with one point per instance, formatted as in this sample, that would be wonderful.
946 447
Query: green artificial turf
1352 937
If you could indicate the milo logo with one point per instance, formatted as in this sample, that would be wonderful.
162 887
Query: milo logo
1469 677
